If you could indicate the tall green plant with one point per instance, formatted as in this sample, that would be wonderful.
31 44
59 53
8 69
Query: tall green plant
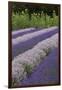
21 20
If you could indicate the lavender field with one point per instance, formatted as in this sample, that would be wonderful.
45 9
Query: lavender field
35 56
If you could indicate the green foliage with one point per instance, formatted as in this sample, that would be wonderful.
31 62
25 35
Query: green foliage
28 69
22 20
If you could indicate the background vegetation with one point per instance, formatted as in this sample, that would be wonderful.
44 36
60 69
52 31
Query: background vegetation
25 15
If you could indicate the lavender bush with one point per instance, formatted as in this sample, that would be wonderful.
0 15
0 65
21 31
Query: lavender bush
24 64
22 30
32 35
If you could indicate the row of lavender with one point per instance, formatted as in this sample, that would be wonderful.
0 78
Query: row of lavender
23 64
29 39
28 36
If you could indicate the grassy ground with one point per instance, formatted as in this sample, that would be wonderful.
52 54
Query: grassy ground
22 20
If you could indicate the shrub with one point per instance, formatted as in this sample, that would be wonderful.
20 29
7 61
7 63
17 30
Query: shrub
22 20
25 63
